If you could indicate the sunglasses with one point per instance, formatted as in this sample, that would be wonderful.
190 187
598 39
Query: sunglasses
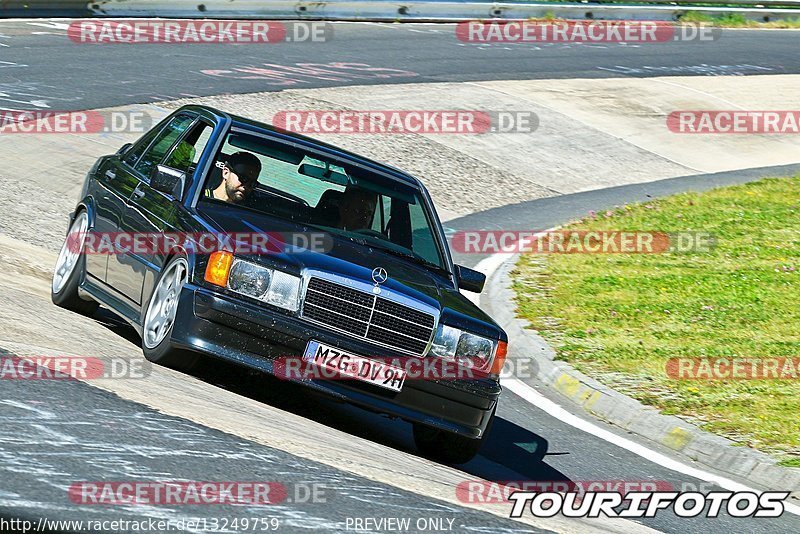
247 180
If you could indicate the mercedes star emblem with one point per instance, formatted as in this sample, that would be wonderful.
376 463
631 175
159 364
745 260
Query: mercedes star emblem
379 275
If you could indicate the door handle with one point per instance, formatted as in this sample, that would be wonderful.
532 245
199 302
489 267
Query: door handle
138 193
110 174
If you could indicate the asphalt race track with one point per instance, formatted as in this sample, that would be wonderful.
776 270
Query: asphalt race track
53 434
40 63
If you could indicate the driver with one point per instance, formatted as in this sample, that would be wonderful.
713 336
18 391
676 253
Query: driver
239 176
357 208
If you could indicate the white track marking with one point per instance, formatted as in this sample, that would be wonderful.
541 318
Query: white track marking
488 266
524 391
54 25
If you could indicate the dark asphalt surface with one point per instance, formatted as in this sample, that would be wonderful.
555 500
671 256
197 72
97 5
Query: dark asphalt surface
35 463
48 68
55 434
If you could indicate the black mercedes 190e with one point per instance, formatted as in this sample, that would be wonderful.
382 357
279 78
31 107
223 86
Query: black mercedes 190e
326 268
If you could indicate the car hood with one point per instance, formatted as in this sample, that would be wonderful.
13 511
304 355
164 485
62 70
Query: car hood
340 255
353 260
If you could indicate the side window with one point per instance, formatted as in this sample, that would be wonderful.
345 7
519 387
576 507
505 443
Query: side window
134 153
187 152
162 144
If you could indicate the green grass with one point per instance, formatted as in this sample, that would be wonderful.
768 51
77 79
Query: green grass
727 20
620 317
737 20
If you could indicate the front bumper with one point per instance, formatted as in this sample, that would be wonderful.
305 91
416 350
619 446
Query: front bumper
252 335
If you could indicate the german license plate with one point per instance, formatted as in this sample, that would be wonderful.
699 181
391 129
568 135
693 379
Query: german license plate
354 366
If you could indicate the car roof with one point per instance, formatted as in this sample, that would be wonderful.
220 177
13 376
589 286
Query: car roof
251 124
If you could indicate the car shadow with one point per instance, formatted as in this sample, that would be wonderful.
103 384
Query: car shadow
514 453
117 325
511 452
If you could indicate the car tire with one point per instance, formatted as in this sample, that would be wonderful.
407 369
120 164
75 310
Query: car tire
70 267
159 319
448 447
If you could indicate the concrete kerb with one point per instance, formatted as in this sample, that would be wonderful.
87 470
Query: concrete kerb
609 405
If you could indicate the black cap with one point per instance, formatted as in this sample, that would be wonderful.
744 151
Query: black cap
245 165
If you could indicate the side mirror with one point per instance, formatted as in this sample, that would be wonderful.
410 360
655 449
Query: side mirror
168 180
124 148
470 279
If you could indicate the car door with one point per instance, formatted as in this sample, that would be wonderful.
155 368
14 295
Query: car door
152 212
114 183
126 267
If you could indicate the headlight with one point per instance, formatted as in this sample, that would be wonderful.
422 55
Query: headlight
246 278
463 347
474 348
284 291
446 341
249 279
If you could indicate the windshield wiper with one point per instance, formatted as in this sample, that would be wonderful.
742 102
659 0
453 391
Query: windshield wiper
363 241
413 257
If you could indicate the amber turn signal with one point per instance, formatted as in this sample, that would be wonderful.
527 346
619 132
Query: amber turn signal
499 357
219 266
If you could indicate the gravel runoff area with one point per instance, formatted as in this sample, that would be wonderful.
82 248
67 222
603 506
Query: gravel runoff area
33 214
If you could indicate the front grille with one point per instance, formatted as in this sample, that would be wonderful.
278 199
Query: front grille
368 316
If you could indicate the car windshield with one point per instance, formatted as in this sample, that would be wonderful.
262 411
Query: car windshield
290 183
